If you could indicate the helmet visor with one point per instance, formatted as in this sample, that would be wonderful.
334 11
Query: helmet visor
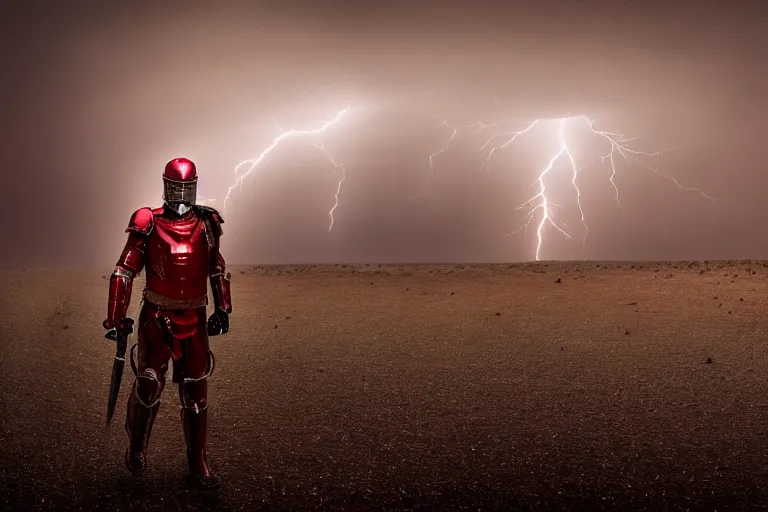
184 192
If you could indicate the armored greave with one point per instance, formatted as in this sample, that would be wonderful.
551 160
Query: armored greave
193 395
143 405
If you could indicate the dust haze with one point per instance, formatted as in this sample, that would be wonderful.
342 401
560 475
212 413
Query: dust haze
392 381
98 98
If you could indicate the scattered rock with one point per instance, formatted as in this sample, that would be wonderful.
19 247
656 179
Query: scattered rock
287 318
498 313
632 304
741 299
453 293
558 281
708 361
103 277
65 327
275 326
626 332
371 283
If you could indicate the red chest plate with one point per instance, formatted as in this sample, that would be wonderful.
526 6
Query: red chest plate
178 257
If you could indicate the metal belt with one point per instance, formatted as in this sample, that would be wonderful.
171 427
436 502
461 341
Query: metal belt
162 302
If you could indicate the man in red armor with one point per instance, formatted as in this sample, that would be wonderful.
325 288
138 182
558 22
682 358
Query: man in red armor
178 245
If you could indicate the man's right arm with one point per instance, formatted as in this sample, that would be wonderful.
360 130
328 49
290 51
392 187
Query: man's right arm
130 264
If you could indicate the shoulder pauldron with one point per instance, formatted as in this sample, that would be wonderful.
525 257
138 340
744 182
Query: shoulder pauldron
213 222
142 221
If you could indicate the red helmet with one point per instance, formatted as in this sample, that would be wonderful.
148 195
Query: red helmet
180 183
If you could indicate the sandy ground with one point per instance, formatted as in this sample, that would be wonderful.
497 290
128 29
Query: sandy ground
573 386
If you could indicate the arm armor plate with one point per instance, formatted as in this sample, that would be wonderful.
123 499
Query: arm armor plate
130 264
120 286
222 297
219 277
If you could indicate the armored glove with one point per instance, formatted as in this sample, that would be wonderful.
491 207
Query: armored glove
218 323
124 327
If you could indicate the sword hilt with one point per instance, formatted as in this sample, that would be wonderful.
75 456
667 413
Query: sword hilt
121 331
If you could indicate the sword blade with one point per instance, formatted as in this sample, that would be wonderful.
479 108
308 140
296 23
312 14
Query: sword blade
117 376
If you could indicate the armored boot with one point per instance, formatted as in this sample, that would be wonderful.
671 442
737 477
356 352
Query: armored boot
194 418
195 433
139 419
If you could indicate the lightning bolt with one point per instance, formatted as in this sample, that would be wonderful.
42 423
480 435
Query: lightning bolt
342 170
246 167
618 144
454 132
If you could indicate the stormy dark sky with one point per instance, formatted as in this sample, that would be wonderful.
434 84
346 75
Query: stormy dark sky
98 97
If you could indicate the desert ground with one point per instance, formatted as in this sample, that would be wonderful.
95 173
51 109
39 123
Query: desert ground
548 386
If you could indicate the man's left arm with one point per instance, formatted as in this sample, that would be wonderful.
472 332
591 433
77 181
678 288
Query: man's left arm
220 283
218 323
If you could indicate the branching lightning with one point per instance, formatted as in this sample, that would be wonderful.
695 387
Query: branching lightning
619 145
540 203
252 164
454 132
342 171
